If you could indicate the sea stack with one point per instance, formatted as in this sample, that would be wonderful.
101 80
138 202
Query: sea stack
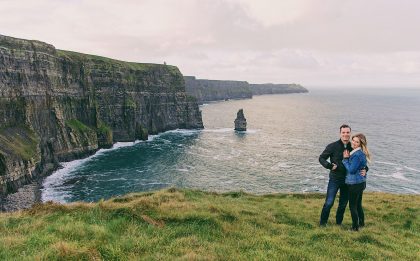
240 121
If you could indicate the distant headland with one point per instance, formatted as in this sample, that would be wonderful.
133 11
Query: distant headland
214 90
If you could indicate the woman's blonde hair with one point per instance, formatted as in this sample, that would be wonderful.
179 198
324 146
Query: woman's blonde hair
363 145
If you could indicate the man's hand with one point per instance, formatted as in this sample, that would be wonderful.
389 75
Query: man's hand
334 167
363 172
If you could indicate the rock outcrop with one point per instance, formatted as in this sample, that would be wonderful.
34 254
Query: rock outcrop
240 121
59 105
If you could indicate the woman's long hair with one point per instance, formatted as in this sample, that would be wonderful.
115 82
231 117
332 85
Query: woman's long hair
363 145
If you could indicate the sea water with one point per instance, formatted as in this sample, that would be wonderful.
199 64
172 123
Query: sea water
278 153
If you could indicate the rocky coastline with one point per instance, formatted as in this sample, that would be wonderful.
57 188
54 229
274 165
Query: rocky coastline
58 105
24 198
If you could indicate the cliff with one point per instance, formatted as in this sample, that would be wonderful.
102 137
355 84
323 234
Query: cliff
213 90
58 105
270 88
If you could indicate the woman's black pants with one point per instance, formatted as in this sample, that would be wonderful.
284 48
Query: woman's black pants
355 202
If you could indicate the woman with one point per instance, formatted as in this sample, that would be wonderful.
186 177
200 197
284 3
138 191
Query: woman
355 161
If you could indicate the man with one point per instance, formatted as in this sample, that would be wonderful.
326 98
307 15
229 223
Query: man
334 152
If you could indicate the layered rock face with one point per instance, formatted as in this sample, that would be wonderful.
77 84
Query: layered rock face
59 105
271 88
213 90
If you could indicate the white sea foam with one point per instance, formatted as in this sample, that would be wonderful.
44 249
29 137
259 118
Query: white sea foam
412 169
399 175
183 132
386 163
49 191
116 179
412 190
156 183
52 190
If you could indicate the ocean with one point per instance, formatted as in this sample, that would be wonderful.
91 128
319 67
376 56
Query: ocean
277 154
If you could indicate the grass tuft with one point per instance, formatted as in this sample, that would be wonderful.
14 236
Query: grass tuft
177 224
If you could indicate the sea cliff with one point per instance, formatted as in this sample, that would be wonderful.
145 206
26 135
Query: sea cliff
59 105
214 90
271 88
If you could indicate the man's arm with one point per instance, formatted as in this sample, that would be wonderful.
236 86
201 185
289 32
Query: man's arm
325 155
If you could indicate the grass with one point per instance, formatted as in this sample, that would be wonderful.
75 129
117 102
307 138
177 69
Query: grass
75 56
194 225
19 141
104 132
78 126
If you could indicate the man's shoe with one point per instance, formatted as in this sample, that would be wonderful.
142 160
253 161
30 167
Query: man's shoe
322 225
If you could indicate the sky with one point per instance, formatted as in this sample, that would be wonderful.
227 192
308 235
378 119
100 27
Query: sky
327 43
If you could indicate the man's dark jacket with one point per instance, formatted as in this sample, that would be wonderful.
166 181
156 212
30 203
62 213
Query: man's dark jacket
334 152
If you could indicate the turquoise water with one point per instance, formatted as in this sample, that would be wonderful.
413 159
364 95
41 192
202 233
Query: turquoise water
278 153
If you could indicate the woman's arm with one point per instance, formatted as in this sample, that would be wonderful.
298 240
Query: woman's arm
353 164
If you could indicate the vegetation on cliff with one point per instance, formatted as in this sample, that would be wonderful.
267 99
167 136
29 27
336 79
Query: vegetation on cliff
270 88
194 225
19 141
77 103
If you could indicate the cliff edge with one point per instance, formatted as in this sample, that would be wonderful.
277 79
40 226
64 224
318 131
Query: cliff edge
59 105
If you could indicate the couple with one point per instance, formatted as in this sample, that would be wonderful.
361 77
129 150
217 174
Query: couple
348 165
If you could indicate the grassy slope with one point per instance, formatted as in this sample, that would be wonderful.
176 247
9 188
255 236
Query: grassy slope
194 225
19 141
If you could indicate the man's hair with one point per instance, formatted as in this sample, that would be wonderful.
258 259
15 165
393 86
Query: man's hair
344 126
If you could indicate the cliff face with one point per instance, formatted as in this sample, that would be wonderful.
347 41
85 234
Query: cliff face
270 88
59 105
213 90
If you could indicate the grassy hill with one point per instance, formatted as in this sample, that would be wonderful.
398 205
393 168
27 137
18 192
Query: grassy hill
194 225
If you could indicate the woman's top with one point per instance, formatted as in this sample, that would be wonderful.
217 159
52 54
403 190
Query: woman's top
353 165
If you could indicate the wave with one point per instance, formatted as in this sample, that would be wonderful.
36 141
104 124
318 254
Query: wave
412 169
182 131
225 130
52 186
411 190
399 175
387 163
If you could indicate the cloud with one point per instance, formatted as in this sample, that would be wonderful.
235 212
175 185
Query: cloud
306 41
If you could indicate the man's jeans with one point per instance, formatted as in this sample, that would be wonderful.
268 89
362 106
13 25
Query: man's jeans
333 186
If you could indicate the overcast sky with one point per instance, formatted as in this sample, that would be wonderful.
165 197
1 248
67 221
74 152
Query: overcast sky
312 42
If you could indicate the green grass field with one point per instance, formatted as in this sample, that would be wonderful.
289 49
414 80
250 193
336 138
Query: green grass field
194 225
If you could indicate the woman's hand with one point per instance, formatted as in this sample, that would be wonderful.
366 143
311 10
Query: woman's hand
346 154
